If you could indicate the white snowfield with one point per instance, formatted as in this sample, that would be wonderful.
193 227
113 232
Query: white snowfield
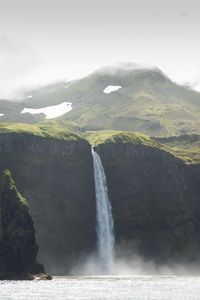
1 115
50 112
111 88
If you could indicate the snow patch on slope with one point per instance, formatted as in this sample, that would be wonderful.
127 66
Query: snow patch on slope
111 88
50 112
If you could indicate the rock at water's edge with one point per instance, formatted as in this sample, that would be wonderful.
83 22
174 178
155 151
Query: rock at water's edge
18 248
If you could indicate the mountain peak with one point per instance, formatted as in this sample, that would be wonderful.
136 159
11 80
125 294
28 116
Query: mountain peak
126 67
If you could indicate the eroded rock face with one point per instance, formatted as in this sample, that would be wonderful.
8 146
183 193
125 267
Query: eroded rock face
191 175
18 248
155 201
56 177
150 202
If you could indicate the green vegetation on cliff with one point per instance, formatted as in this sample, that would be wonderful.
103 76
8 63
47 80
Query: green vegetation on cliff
42 130
186 146
9 182
114 136
18 248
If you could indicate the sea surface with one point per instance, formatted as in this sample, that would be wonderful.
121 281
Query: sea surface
104 287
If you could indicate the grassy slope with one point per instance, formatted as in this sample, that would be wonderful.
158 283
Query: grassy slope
113 136
147 103
187 146
46 131
48 95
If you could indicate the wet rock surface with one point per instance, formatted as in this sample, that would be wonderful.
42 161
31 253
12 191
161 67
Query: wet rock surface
151 205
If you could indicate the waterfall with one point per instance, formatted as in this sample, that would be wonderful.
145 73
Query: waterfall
105 233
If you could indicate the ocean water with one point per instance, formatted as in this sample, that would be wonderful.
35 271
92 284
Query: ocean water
104 287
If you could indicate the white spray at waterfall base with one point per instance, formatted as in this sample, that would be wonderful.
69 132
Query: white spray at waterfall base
105 230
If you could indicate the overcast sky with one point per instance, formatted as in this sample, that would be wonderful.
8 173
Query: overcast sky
45 40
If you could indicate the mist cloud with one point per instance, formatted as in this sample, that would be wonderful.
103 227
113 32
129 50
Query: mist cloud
44 41
18 60
134 265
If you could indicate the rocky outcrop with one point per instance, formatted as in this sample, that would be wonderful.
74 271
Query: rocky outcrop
18 248
56 176
150 202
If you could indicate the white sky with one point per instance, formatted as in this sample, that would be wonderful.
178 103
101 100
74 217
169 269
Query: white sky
46 40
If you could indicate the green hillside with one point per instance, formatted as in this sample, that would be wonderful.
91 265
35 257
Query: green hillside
147 102
51 94
186 146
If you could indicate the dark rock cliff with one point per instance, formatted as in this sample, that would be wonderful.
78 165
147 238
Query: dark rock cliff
150 202
155 197
191 174
18 249
57 178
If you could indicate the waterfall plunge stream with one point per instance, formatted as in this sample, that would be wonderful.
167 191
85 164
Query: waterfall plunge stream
105 232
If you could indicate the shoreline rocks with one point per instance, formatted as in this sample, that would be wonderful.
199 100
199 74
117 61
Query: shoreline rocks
25 276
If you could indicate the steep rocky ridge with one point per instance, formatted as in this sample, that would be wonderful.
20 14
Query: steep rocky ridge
56 175
18 248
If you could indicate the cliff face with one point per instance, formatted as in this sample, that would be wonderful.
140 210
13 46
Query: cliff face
191 174
18 249
57 178
155 197
150 201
